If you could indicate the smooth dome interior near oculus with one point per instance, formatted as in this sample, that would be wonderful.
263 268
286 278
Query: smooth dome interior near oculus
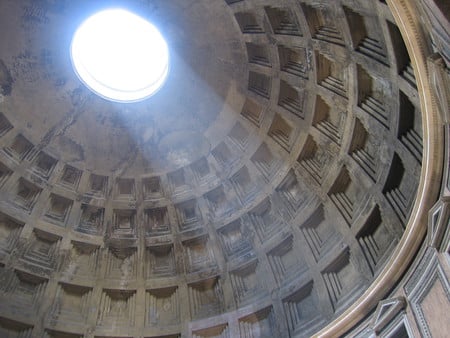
120 56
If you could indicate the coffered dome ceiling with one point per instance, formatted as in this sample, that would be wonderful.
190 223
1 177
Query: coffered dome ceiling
157 135
259 193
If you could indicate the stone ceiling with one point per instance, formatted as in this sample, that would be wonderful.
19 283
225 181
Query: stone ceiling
259 193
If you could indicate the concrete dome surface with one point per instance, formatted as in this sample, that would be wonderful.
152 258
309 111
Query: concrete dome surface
289 179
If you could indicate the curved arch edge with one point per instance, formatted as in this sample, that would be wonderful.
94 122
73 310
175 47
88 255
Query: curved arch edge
407 19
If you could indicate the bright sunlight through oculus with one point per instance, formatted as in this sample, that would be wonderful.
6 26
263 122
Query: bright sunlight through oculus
120 56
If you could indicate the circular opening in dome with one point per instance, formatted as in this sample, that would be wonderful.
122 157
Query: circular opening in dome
120 56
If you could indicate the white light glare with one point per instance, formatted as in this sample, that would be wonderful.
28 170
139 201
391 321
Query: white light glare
120 56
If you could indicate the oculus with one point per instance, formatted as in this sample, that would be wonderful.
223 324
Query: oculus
120 56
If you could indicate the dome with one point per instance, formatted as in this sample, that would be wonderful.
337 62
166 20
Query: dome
277 184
